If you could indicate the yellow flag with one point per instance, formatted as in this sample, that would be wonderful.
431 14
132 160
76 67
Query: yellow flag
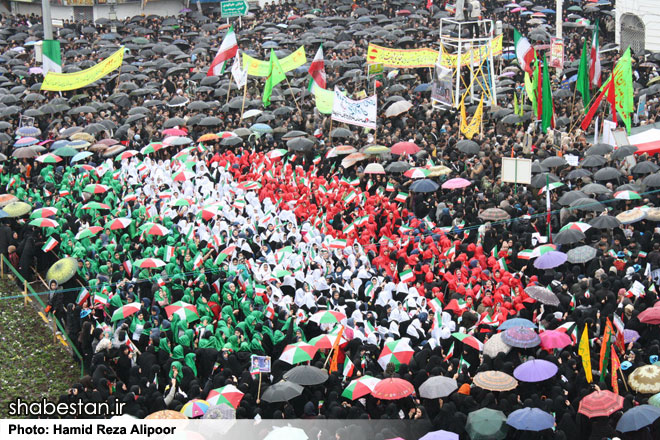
60 82
469 130
583 351
257 67
515 103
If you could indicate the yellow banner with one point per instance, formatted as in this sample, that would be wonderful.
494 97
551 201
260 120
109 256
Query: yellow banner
469 130
475 55
401 58
324 99
61 82
257 67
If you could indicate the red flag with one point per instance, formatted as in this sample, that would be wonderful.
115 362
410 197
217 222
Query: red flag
615 367
334 366
607 334
593 109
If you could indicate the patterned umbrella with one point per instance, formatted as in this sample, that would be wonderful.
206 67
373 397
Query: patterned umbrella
542 295
327 317
397 352
521 337
535 370
228 394
360 387
495 381
631 216
645 379
600 404
392 389
149 263
516 322
437 387
118 223
187 312
495 345
125 311
166 414
581 254
485 424
550 260
494 214
17 209
298 353
551 339
195 408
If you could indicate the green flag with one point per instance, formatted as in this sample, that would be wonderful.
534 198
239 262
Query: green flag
623 88
582 84
275 76
547 106
52 58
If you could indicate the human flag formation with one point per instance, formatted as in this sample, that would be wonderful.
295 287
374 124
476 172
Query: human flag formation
275 76
317 70
240 75
228 50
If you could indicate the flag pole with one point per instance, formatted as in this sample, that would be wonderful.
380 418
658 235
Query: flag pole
292 94
228 90
259 390
244 96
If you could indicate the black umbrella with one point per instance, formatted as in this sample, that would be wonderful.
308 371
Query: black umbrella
645 167
595 188
578 173
424 186
306 375
588 204
540 180
553 161
467 146
599 149
605 222
593 161
511 119
397 167
341 133
652 180
568 236
210 121
293 134
282 391
300 144
624 151
607 173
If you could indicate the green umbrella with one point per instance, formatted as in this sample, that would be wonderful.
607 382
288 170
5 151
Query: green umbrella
66 152
62 271
17 209
485 424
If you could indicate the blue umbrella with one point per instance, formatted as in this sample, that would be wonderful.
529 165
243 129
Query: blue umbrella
424 186
530 419
548 11
59 144
440 435
509 56
516 322
637 418
262 128
3 214
28 131
423 88
81 156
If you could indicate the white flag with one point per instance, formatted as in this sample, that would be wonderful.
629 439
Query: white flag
239 75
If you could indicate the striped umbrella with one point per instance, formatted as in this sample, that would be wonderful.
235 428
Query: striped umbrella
495 381
26 141
44 223
469 340
360 387
521 337
187 312
228 394
298 353
627 195
88 232
326 342
543 295
95 205
125 311
95 188
392 389
327 317
195 408
125 155
417 173
154 229
600 404
645 379
49 158
543 249
397 352
43 212
118 223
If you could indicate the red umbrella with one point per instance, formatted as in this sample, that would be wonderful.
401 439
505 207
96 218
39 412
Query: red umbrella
650 316
404 148
393 389
555 339
600 404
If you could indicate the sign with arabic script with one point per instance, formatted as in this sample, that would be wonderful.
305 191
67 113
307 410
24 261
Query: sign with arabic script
401 58
362 112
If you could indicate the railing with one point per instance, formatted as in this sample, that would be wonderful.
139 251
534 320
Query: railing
29 293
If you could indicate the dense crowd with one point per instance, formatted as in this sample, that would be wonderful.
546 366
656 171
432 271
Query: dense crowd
202 238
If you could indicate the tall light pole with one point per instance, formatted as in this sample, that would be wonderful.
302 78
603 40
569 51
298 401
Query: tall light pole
558 17
47 21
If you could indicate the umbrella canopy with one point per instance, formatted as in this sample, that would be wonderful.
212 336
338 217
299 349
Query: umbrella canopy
306 375
282 391
327 317
62 271
517 322
631 216
568 236
437 387
195 408
600 404
495 381
166 414
541 294
521 337
374 168
467 146
650 316
637 418
298 353
187 312
550 260
125 311
360 387
605 222
397 352
494 214
392 389
404 148
457 182
17 209
645 379
486 424
581 254
535 370
551 339
440 435
530 419
495 345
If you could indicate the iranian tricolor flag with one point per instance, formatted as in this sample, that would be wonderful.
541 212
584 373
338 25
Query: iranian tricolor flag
338 244
524 52
50 245
128 267
169 253
52 58
82 296
594 60
502 263
401 197
198 261
361 221
349 228
450 353
349 368
227 51
406 276
350 197
101 298
317 70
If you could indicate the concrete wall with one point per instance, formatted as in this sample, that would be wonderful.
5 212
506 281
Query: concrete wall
648 11
158 7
